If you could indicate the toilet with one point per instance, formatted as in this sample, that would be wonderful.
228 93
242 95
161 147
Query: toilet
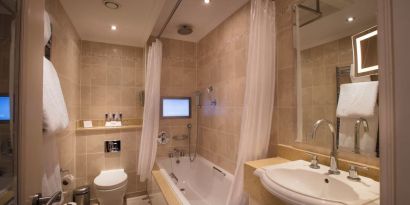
110 186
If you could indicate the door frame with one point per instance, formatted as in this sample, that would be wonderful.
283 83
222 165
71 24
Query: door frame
30 110
386 102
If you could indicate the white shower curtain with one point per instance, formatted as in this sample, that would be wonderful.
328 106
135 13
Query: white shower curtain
259 93
148 146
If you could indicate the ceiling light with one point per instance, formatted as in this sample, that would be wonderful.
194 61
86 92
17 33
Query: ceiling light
207 1
113 27
350 19
111 4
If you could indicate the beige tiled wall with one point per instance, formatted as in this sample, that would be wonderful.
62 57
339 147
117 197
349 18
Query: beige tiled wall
284 114
65 55
318 67
178 79
222 61
112 77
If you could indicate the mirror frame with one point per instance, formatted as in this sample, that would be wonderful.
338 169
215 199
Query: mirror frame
357 57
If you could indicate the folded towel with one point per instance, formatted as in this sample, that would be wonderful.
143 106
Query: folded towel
55 116
357 100
367 140
355 79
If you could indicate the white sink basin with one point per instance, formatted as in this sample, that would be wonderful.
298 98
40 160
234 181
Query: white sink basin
296 183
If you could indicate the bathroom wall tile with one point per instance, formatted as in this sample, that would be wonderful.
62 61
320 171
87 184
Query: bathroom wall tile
222 58
112 160
95 163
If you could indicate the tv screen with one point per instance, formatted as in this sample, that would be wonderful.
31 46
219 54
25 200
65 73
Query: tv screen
176 107
4 108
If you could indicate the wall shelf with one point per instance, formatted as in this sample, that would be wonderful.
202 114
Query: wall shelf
98 125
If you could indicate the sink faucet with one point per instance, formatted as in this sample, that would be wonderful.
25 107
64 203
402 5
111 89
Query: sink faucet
333 154
357 131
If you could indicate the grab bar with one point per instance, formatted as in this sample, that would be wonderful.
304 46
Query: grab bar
173 176
220 171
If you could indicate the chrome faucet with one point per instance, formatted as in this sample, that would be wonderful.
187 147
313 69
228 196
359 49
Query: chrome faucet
357 132
333 154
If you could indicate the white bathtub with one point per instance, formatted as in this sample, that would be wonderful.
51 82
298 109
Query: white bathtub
199 182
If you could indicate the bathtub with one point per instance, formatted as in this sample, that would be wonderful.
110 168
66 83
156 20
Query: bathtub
196 183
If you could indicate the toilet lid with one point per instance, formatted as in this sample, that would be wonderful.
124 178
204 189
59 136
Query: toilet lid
110 179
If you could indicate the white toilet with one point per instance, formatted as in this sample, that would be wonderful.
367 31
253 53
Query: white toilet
110 187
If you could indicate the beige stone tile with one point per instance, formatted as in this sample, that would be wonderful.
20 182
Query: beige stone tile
98 96
95 164
95 142
112 160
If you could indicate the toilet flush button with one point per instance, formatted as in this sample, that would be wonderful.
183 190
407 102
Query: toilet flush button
113 146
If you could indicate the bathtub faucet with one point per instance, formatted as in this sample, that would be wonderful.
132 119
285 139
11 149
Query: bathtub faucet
174 177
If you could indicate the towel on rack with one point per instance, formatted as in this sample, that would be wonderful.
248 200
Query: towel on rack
55 116
357 100
55 119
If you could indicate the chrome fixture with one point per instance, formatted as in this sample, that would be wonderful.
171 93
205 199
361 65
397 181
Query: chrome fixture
174 177
314 163
353 175
38 199
163 137
111 4
357 132
112 146
219 170
333 154
169 18
185 29
192 158
210 90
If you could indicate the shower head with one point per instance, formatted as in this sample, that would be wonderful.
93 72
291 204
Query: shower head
185 29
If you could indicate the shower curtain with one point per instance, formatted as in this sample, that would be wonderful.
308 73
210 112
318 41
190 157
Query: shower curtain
148 146
259 94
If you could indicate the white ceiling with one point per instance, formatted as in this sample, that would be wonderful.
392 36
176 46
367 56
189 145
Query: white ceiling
135 20
333 26
203 17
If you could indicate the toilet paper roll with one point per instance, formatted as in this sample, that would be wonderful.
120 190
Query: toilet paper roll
67 179
70 203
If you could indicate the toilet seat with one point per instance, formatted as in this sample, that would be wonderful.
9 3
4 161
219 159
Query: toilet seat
110 179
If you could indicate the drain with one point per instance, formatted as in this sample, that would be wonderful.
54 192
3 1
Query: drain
182 189
326 181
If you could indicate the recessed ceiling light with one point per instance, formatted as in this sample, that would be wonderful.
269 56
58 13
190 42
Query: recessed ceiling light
350 19
111 4
113 27
207 1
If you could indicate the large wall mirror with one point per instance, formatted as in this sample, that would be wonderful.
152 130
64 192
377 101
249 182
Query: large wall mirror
336 77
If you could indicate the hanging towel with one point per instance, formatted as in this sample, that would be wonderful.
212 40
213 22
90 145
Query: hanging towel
367 140
55 116
357 100
55 119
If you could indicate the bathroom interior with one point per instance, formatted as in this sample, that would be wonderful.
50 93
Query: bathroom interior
204 102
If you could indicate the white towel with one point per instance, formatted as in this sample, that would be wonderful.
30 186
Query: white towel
55 116
55 119
367 141
357 100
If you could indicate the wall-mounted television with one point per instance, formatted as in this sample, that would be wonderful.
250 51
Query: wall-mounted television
175 107
4 108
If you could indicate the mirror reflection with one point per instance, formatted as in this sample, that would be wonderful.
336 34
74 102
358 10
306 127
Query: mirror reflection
328 85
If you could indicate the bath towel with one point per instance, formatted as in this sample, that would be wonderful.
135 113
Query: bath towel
357 100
